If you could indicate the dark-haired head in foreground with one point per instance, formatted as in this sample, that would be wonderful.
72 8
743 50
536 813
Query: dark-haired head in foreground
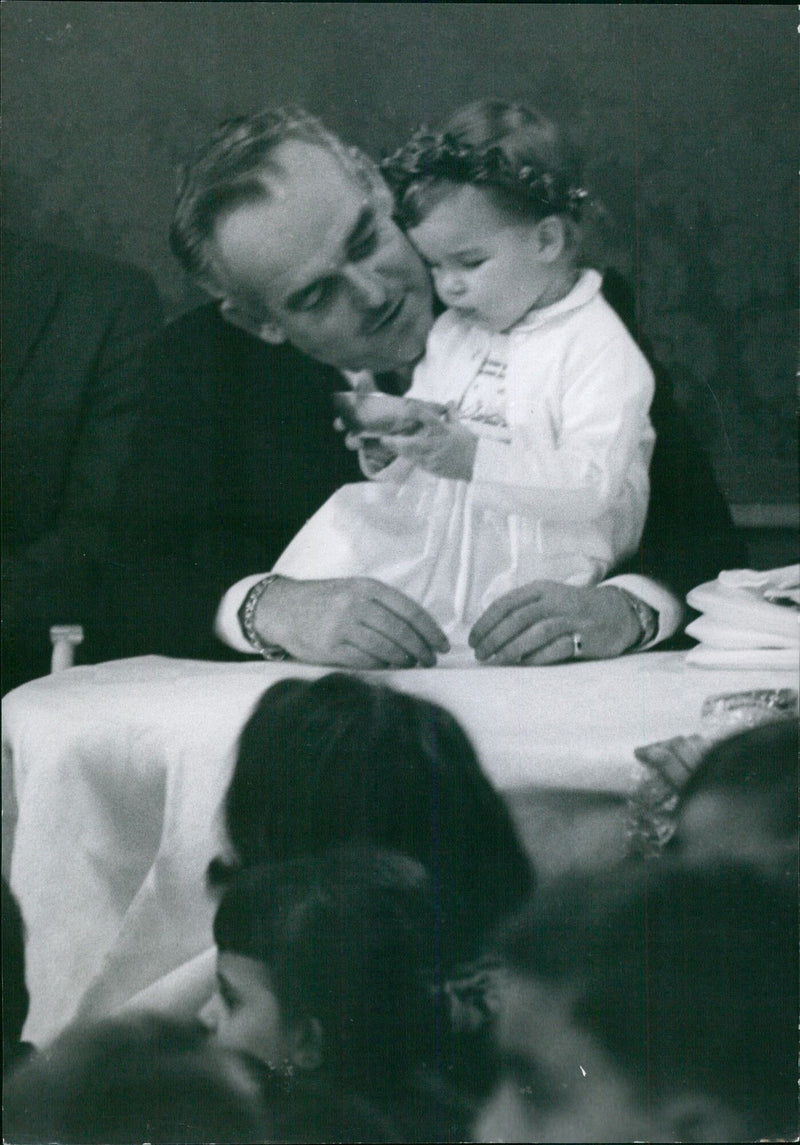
133 1080
121 1082
657 1004
339 760
326 968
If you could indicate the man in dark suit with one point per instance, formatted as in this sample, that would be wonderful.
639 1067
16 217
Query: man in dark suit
72 382
293 234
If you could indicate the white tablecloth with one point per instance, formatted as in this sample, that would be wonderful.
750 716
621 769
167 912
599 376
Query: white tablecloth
120 770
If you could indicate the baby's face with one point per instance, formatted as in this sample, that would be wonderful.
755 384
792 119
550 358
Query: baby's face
244 1014
487 268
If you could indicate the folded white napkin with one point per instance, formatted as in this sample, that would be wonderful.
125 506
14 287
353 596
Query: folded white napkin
749 620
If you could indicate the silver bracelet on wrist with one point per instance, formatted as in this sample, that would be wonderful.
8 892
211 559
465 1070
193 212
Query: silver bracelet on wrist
247 615
645 615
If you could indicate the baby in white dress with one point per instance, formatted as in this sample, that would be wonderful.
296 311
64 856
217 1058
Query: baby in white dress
529 455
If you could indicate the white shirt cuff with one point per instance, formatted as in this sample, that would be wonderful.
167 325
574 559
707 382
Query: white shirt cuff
226 623
661 600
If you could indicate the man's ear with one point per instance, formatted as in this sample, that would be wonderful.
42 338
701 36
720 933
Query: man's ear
380 193
698 1117
551 238
264 328
306 1039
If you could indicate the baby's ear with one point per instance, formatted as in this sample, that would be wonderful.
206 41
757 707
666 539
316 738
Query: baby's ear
306 1040
552 238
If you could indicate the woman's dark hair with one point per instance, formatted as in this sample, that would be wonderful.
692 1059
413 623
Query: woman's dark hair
348 938
518 155
339 760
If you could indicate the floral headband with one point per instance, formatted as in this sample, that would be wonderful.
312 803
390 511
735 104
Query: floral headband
428 155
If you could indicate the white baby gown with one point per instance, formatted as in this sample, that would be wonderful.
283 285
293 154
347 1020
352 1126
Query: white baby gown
559 490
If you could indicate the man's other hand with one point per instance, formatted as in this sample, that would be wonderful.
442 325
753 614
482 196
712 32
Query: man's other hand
535 624
348 622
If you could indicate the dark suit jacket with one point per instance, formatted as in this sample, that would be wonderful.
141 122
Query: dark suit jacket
689 536
237 450
73 329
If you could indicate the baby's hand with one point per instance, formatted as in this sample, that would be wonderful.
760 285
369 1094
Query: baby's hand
442 445
373 455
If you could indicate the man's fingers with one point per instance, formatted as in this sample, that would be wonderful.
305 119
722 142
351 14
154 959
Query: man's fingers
501 612
398 641
509 629
412 615
558 651
541 643
349 655
390 647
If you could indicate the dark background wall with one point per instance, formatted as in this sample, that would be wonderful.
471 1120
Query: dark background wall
687 114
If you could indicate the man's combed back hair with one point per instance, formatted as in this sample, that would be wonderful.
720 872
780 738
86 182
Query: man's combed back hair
225 172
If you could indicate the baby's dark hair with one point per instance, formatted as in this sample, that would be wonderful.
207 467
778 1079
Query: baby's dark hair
762 762
348 938
340 760
519 156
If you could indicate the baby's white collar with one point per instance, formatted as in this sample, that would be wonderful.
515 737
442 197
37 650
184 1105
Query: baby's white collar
585 289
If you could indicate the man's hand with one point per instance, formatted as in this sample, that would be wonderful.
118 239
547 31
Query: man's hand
443 446
535 625
351 622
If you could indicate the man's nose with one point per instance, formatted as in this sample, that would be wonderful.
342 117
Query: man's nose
369 287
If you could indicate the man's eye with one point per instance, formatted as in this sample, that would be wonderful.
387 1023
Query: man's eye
364 247
472 263
316 298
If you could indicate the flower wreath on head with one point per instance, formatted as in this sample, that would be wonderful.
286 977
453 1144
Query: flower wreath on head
441 156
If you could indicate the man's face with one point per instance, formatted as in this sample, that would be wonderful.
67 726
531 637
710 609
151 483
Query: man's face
557 1083
324 259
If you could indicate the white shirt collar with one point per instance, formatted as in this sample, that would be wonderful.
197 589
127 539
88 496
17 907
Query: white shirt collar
585 289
